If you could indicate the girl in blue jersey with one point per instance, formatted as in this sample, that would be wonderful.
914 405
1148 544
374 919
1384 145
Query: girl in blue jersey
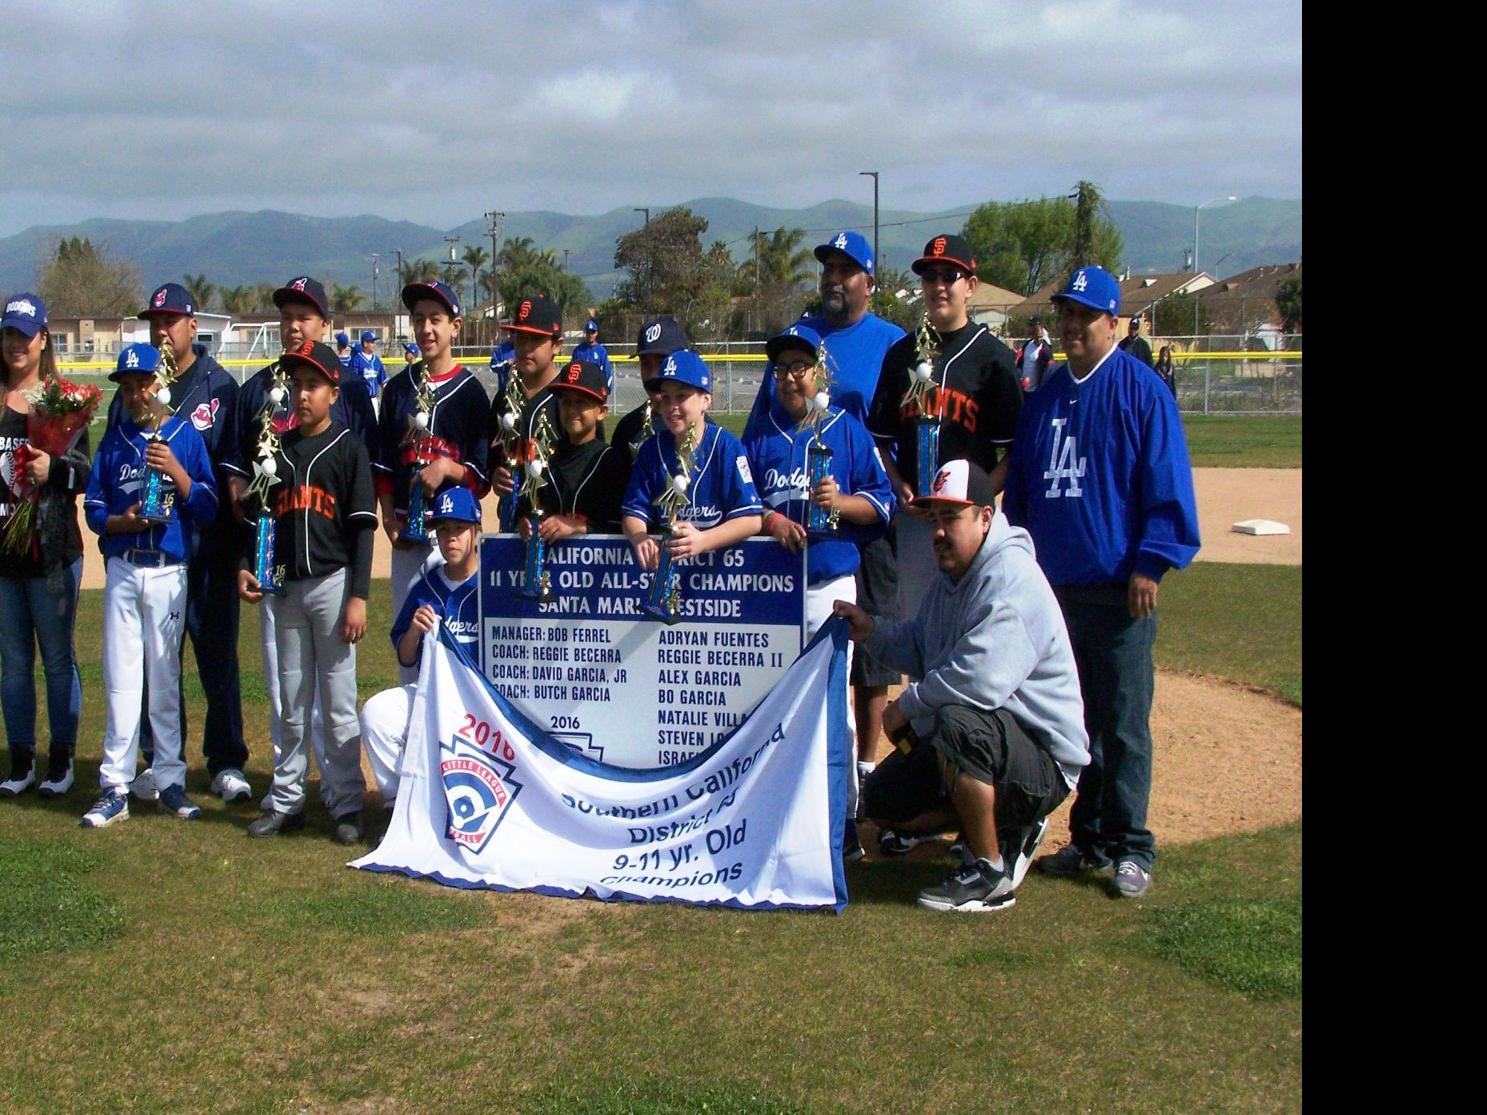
722 506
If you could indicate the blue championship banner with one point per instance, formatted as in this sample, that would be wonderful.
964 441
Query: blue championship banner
589 667
489 799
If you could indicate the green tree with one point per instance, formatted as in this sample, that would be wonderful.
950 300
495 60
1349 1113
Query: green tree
419 271
1022 245
903 312
238 299
200 289
1180 315
669 272
81 279
345 299
1288 302
522 270
777 278
475 257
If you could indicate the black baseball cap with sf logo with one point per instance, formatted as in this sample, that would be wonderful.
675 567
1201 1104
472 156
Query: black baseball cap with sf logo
951 249
536 314
582 377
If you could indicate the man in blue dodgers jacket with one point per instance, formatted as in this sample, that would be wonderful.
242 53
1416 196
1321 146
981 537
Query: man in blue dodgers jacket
204 396
991 717
146 589
1099 476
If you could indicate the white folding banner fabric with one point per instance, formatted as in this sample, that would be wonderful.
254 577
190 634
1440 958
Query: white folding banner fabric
489 799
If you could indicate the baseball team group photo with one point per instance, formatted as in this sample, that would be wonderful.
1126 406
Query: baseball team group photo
616 673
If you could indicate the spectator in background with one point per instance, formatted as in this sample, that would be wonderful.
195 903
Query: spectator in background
1135 343
1033 360
410 353
343 348
1164 369
591 350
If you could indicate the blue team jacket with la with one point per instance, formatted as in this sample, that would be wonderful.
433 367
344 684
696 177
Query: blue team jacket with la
722 488
1099 475
369 370
117 483
457 605
778 457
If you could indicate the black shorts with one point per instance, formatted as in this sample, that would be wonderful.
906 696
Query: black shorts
877 594
990 747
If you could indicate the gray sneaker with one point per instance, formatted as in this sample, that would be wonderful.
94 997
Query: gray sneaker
977 889
1131 880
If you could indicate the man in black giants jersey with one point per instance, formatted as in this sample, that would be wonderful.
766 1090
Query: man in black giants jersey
973 390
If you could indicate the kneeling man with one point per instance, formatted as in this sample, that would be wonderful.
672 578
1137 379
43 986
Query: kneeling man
991 726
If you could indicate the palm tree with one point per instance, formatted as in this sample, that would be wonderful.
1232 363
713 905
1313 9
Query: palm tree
345 299
475 258
238 299
419 271
200 289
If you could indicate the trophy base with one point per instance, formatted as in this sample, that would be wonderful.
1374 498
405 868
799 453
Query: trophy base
270 590
542 595
158 520
660 612
414 539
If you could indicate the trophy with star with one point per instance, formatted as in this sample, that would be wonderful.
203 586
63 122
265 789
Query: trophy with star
818 520
663 596
268 571
536 580
157 499
416 529
509 436
923 399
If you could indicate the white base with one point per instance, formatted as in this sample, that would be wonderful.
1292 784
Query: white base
1260 526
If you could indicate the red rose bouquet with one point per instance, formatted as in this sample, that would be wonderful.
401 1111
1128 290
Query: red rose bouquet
60 412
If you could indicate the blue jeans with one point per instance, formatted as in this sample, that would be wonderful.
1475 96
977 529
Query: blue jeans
1113 654
29 615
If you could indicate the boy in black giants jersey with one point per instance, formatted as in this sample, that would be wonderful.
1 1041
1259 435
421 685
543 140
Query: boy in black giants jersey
324 519
537 333
585 478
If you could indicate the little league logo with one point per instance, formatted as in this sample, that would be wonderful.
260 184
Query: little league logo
478 789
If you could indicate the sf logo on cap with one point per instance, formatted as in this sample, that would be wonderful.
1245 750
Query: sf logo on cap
653 332
573 373
1080 282
938 247
524 312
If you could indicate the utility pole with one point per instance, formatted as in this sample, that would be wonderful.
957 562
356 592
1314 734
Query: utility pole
565 259
449 267
393 329
374 281
495 217
645 210
877 256
756 276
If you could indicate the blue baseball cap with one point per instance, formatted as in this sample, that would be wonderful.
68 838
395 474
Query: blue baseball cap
138 357
368 335
25 312
685 366
455 505
439 292
343 340
796 336
591 326
851 244
1093 287
410 348
170 298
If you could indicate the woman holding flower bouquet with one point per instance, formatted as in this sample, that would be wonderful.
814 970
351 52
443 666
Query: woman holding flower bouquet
44 464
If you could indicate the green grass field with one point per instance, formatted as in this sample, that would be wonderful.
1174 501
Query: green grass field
160 965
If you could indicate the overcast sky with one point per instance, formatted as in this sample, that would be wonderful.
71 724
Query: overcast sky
435 112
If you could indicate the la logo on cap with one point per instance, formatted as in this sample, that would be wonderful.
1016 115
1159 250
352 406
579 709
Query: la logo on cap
1080 282
669 368
840 242
938 247
446 506
132 360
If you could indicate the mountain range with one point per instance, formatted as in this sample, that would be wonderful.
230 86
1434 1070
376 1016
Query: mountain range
236 248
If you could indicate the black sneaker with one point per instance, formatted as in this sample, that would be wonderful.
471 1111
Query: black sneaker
349 828
22 774
852 849
1070 860
977 889
271 823
1019 847
59 777
892 843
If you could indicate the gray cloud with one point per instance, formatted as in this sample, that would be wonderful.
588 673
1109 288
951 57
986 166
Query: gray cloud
438 112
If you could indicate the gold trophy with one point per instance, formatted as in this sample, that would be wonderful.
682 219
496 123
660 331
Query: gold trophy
270 574
157 503
663 597
537 581
923 389
415 530
818 520
511 445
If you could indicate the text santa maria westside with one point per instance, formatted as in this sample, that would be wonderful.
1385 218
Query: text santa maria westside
591 668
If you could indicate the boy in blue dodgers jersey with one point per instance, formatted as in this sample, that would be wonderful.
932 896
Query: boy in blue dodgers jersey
990 725
1099 476
205 395
591 350
585 479
449 592
144 597
343 349
324 525
452 437
859 340
722 505
857 490
368 365
303 316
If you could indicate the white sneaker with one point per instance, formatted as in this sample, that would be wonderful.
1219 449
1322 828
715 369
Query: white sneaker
18 783
57 783
230 786
143 787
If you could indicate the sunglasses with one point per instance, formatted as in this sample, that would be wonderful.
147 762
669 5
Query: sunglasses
946 275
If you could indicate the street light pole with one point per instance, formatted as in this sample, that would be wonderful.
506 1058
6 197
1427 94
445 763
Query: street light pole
645 210
1196 210
495 217
877 256
374 281
449 267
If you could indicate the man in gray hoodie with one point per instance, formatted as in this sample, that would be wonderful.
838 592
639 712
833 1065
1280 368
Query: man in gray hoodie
991 727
